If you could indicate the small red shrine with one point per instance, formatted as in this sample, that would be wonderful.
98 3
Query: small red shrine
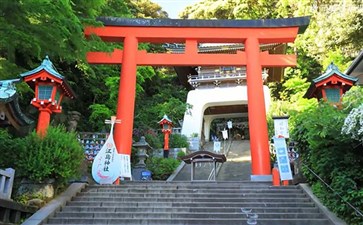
50 87
166 128
331 85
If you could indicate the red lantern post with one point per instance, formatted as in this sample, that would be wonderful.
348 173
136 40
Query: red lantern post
49 87
166 128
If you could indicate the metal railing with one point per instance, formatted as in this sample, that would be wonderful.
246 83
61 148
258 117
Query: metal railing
226 151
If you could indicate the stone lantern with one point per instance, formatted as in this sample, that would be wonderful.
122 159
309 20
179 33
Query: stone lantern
140 172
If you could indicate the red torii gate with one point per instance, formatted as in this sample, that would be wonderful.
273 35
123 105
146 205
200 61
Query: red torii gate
251 33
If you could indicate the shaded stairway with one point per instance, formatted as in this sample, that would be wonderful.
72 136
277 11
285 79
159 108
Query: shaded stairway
184 203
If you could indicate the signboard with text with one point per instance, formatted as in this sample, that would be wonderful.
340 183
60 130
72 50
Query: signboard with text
125 166
282 158
281 126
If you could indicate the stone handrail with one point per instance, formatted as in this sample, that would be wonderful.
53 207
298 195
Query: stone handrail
6 183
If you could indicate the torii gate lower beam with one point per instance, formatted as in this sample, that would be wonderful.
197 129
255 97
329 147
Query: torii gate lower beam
192 32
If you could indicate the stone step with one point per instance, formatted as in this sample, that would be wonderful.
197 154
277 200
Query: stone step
195 190
188 221
191 204
205 185
179 215
189 199
193 195
190 209
207 203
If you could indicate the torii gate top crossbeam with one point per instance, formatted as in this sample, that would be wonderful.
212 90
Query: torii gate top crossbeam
208 31
193 32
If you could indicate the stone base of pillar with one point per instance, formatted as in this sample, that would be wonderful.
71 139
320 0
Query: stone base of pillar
261 178
166 153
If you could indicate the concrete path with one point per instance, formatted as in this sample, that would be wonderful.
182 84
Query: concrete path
238 165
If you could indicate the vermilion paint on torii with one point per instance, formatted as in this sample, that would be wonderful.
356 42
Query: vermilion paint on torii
251 33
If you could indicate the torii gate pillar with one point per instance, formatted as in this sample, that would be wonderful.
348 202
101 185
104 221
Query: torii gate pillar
191 33
260 156
126 97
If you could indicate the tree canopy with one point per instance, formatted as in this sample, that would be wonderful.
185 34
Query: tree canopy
32 29
333 34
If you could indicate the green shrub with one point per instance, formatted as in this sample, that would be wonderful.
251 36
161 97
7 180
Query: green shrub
8 150
162 168
153 140
178 141
58 155
180 155
336 158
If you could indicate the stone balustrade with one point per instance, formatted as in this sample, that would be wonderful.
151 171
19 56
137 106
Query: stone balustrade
6 183
11 212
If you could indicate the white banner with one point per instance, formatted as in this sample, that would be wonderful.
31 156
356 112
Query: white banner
225 134
282 158
125 166
217 146
229 124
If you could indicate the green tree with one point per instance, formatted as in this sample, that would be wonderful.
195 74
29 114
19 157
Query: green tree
335 29
146 9
231 9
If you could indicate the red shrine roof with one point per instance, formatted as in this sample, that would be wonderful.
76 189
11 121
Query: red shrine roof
332 75
165 119
51 74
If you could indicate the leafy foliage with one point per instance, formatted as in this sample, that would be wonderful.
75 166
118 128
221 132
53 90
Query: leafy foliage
232 9
57 155
353 124
329 154
154 140
7 149
146 9
178 141
98 115
162 168
353 98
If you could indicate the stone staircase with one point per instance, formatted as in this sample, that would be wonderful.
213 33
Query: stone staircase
183 203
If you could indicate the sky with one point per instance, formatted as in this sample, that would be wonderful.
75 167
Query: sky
173 7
